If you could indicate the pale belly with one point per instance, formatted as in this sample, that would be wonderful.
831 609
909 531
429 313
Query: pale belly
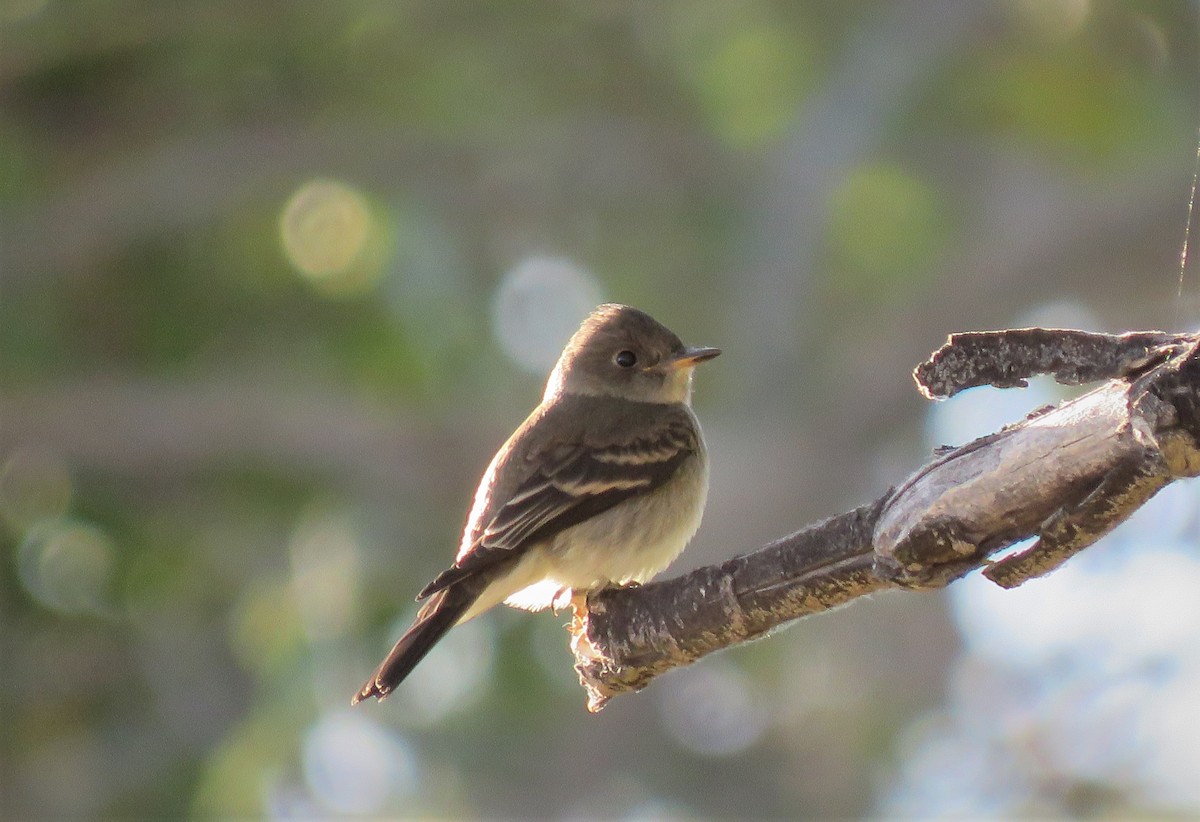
624 544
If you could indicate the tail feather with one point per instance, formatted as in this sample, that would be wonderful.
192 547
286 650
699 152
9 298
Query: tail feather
439 614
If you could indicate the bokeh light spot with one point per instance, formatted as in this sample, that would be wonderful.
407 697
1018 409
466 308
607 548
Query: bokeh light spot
712 711
753 84
241 772
325 575
66 565
887 226
749 74
537 307
329 234
265 630
34 485
452 678
1054 19
352 765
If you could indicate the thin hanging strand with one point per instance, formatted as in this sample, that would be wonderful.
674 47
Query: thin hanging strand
1187 231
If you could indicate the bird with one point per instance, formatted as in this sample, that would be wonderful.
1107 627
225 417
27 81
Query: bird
603 484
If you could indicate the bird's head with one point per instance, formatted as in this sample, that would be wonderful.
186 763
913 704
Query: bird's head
622 352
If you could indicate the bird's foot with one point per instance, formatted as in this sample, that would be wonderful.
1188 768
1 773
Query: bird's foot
581 646
570 598
563 599
579 608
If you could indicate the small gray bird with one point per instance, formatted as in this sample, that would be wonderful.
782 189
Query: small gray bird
604 483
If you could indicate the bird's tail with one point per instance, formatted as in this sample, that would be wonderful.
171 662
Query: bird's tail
436 617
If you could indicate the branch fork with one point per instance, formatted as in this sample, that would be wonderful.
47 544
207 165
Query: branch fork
1064 476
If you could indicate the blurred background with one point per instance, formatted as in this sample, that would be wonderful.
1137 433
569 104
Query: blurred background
278 278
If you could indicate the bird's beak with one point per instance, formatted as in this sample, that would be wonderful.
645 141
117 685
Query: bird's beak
691 357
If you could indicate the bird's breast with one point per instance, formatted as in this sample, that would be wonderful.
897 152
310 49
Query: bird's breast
636 539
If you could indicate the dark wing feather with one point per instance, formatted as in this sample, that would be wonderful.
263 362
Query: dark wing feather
573 482
436 617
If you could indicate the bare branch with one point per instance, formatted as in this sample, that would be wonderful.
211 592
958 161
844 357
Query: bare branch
1005 358
633 634
1064 477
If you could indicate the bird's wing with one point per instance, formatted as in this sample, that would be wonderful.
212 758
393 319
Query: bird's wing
573 482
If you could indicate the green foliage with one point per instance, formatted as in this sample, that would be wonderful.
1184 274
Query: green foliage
887 227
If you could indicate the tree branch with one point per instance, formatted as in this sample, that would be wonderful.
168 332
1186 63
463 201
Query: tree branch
1064 477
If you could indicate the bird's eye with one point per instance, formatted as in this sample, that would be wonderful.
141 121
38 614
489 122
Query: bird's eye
625 359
